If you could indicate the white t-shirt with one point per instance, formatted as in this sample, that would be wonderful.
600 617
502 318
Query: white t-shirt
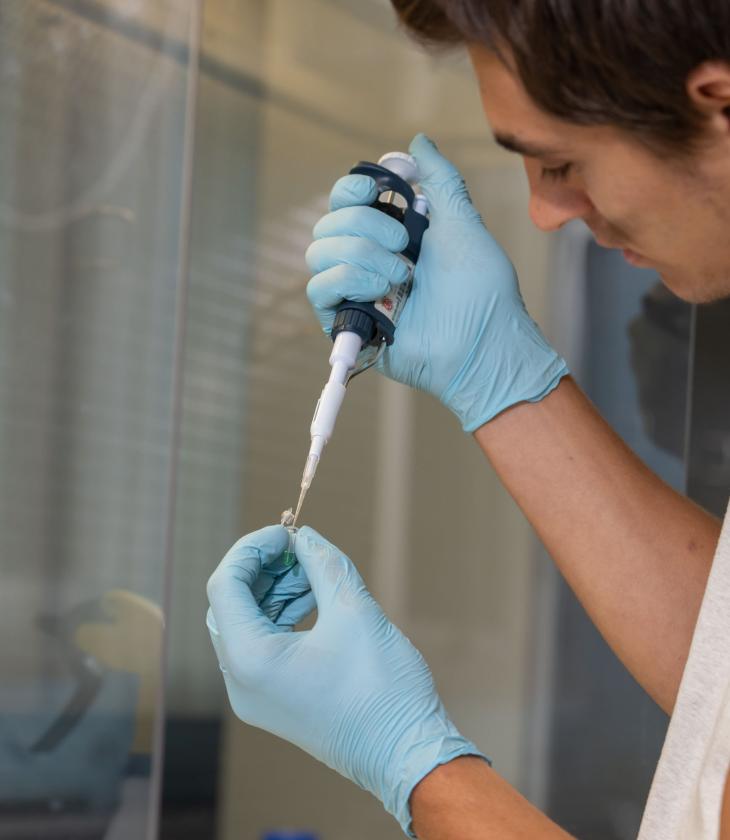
686 794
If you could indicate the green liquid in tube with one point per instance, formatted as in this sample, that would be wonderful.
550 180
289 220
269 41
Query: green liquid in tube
290 558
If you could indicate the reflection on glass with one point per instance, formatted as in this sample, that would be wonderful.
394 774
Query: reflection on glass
93 110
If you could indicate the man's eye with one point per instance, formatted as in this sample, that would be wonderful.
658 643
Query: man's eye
557 173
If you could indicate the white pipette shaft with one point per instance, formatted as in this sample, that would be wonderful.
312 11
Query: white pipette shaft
342 360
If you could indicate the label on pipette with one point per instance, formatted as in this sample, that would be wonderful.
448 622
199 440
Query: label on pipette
392 304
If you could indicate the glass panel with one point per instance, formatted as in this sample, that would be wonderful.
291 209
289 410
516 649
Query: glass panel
281 114
94 101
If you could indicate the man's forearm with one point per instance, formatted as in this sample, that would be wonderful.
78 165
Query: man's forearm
636 553
466 799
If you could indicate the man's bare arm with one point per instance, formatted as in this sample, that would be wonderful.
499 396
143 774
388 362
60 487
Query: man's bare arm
636 553
466 799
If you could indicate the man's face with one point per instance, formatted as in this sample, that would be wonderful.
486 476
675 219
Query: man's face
672 215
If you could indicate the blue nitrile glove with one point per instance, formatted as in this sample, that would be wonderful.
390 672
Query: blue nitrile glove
464 335
352 691
282 591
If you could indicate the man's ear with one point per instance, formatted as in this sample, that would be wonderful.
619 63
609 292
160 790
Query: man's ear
708 87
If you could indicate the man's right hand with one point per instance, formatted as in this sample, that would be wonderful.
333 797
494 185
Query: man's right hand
464 334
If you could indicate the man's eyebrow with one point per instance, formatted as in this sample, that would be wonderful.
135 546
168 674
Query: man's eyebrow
523 147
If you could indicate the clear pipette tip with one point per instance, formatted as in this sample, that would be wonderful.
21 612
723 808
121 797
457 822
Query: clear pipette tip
310 468
302 494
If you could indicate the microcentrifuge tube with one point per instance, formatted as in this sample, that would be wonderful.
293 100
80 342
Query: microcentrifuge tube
290 557
287 520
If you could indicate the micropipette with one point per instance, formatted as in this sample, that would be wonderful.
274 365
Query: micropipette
361 331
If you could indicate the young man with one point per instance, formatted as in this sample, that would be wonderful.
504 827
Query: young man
621 112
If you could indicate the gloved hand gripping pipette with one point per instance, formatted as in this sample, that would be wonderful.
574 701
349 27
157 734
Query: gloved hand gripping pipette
362 331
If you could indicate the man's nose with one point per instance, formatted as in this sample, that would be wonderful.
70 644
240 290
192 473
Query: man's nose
554 208
553 205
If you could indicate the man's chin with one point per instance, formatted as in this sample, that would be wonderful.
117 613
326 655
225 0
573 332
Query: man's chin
696 289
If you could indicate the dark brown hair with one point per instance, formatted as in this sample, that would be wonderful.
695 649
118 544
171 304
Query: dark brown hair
592 62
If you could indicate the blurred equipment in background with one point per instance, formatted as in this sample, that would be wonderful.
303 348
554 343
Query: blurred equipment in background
289 835
128 637
84 670
708 440
660 340
75 773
